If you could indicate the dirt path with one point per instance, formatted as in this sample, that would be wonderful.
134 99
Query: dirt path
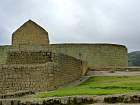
116 73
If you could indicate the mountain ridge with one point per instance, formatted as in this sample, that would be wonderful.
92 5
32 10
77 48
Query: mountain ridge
134 58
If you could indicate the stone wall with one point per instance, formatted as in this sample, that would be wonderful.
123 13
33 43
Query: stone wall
121 99
70 70
96 55
30 57
40 77
23 77
29 35
3 53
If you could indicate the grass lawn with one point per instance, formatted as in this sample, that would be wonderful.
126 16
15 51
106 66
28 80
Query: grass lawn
99 85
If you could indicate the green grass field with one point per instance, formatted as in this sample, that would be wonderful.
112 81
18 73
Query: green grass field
99 85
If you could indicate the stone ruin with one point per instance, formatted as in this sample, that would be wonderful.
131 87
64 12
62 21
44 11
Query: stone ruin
32 64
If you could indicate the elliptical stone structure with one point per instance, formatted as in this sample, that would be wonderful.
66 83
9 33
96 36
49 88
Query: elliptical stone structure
31 63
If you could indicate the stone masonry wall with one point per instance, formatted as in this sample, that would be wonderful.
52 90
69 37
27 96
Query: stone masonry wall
28 35
29 57
3 53
40 77
97 55
15 78
70 69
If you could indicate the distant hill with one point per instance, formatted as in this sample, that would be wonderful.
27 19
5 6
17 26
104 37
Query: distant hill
134 58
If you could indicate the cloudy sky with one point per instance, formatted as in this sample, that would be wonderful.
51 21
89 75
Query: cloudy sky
93 21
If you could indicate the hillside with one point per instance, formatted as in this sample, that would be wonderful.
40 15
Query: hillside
134 58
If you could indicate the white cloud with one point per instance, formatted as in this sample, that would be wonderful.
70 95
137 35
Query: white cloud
111 21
